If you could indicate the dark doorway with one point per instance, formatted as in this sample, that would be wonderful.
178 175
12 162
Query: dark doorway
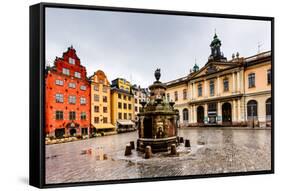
252 109
59 133
200 114
147 123
72 131
268 109
226 113
212 113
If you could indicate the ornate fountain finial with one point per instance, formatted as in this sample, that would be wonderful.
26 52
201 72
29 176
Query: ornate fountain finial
157 74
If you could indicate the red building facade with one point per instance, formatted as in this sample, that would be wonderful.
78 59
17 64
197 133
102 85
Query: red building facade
67 103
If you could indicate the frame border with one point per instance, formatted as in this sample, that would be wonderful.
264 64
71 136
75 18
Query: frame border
37 93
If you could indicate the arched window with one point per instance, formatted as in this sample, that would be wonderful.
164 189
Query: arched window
185 114
268 109
252 109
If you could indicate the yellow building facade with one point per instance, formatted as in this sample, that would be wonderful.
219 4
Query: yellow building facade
225 93
122 105
101 103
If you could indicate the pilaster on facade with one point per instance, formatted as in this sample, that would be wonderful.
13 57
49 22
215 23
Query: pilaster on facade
218 86
219 118
233 83
205 113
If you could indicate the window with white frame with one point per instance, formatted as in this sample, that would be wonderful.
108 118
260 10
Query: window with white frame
71 61
72 85
83 88
72 99
59 82
77 75
83 116
82 101
65 71
59 98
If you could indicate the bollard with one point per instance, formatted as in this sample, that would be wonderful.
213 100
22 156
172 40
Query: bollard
181 139
128 150
187 143
178 139
173 149
132 143
148 152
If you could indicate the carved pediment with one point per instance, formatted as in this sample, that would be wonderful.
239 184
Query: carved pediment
211 68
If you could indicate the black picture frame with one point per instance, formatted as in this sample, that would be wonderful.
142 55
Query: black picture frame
37 92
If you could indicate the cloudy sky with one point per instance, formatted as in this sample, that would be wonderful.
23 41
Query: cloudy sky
133 45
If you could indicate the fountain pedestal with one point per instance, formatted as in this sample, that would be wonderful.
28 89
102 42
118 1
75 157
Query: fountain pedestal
158 120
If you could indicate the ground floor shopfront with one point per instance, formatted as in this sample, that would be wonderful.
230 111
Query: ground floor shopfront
250 110
70 129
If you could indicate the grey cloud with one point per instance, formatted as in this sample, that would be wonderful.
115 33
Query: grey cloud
133 45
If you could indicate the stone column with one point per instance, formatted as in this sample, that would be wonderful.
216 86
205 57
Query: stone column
238 82
190 115
195 114
238 111
233 111
219 113
206 113
242 81
192 91
218 86
233 82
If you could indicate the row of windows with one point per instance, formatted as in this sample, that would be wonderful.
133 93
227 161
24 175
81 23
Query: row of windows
126 116
104 88
252 79
102 120
71 99
124 97
72 115
66 71
97 98
137 109
251 83
124 106
252 109
97 109
70 85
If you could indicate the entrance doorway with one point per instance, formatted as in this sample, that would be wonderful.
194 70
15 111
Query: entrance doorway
226 113
200 114
72 132
212 113
59 132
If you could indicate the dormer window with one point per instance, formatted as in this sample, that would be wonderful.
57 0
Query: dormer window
71 61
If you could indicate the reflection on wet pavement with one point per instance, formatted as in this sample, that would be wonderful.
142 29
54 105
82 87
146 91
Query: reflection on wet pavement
212 151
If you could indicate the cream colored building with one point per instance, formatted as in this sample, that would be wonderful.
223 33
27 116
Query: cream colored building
140 94
101 103
227 93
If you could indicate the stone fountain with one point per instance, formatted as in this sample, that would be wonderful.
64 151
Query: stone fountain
158 121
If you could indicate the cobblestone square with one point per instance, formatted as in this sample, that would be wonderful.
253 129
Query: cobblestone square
213 150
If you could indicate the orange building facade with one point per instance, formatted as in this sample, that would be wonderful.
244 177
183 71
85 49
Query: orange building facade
67 97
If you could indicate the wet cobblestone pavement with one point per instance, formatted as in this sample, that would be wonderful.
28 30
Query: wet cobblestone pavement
213 150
